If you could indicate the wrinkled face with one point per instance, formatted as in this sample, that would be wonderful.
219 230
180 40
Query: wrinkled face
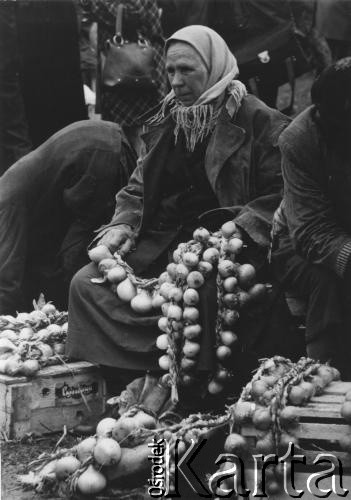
187 73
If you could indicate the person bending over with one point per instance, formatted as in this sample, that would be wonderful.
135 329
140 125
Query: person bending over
51 201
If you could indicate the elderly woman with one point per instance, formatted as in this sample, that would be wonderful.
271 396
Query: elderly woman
212 151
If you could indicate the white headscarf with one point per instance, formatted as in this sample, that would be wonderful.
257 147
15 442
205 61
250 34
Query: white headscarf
198 120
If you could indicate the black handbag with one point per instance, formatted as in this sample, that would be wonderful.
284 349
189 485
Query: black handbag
278 55
270 54
129 64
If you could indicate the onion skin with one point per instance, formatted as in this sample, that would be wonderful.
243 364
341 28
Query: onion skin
235 245
258 292
234 443
190 259
192 332
164 362
187 364
141 303
243 411
172 270
107 451
288 417
215 387
229 338
98 253
191 314
228 229
226 268
66 466
191 297
345 443
262 419
201 234
85 448
175 312
162 342
133 461
195 279
126 290
188 380
105 265
105 426
163 324
182 271
211 255
91 482
175 294
191 349
346 411
230 284
124 426
223 352
205 268
116 274
246 274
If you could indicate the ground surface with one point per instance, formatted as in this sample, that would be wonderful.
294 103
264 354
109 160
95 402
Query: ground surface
16 456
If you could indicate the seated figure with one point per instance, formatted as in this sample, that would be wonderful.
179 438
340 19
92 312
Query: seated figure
312 227
213 156
51 201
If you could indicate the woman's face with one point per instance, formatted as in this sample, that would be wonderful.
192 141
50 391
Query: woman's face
187 72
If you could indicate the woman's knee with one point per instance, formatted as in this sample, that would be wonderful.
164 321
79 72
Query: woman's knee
81 280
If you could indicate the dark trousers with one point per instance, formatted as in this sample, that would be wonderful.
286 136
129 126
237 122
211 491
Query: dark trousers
326 296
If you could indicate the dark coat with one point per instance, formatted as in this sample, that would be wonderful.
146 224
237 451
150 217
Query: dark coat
317 203
51 201
242 164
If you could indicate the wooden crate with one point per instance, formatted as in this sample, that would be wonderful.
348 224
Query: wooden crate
319 430
59 395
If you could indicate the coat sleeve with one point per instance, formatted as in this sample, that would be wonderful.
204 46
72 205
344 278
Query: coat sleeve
129 203
265 184
91 199
315 231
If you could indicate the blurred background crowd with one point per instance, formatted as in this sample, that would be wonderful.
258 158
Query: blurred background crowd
52 54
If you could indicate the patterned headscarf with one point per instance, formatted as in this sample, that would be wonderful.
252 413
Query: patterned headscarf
199 119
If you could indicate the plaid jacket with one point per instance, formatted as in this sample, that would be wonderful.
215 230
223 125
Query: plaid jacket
125 106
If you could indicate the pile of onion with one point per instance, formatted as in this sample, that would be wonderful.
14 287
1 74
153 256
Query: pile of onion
28 341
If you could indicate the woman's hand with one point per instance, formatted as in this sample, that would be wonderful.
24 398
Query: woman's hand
119 238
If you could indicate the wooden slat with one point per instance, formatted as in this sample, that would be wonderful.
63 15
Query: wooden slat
52 371
319 411
78 367
327 432
332 399
338 388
